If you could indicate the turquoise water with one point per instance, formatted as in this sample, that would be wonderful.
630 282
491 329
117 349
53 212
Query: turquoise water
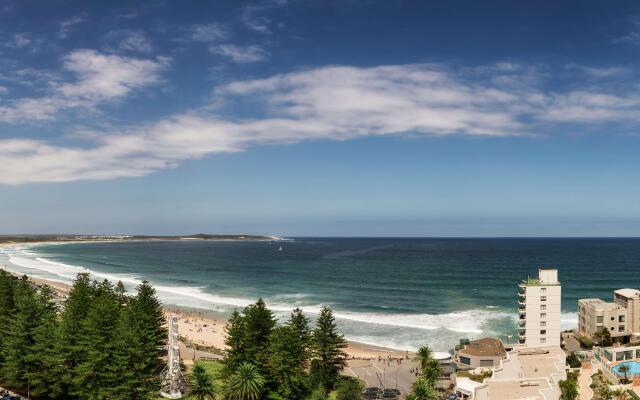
634 368
393 292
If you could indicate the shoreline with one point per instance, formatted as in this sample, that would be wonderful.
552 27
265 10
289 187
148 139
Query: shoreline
202 329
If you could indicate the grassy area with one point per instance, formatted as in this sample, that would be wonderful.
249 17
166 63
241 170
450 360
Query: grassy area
474 377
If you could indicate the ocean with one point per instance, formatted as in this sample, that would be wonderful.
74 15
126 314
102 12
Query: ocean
400 293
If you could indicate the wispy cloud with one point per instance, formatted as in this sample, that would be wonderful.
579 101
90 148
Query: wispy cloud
67 24
252 19
130 40
18 41
98 78
240 54
327 103
212 32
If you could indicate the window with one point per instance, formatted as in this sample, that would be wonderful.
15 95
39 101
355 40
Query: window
543 290
621 318
612 318
543 298
543 315
486 363
543 331
621 328
599 319
543 340
543 307
543 323
465 360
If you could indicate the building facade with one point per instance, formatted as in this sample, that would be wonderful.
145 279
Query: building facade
539 307
621 317
486 352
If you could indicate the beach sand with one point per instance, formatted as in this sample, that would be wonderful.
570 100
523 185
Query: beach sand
199 328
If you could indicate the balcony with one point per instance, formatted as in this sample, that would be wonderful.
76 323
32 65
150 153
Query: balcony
522 289
521 306
522 323
523 315
522 299
521 333
521 341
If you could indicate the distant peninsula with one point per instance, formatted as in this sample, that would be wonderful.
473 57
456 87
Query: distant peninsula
123 238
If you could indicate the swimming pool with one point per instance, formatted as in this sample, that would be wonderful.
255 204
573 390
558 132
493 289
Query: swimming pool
634 368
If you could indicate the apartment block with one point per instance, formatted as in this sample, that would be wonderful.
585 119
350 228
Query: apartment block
539 307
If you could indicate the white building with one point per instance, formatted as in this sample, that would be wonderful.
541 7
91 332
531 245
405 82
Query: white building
621 318
539 302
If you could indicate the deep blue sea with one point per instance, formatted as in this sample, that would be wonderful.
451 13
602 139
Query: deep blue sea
392 292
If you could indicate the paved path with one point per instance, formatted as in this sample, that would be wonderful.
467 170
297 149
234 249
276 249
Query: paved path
385 374
584 380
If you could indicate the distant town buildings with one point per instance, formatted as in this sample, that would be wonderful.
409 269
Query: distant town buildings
621 317
539 306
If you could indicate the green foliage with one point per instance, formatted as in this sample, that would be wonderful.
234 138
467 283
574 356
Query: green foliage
101 345
287 361
574 361
585 342
318 394
201 386
603 338
569 387
423 390
327 344
246 383
349 389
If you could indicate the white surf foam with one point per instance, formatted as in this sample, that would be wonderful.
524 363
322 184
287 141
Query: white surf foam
469 322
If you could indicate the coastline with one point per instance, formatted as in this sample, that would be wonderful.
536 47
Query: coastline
199 328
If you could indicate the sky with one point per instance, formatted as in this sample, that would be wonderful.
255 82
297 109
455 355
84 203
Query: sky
330 118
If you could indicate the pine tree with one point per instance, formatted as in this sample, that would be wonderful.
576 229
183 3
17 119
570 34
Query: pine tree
285 366
7 288
235 342
300 324
329 357
258 324
151 327
19 336
44 357
96 375
70 332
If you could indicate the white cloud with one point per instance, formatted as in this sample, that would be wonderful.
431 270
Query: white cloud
98 78
19 40
240 54
253 21
67 24
207 33
3 90
130 40
328 103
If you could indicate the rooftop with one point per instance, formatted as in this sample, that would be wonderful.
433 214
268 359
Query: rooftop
628 292
485 347
599 304
512 390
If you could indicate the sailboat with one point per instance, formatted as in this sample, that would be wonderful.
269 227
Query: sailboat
280 248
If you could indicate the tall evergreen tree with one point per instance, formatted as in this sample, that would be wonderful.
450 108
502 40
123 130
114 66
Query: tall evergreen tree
328 344
69 349
96 375
44 383
285 366
19 336
258 324
300 324
235 342
7 287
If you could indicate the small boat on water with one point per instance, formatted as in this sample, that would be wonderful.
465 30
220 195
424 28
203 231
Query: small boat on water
280 248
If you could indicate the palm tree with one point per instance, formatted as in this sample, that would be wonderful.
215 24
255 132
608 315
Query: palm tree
432 372
422 390
624 368
201 386
246 383
423 356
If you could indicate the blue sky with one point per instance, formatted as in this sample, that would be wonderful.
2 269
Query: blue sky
365 118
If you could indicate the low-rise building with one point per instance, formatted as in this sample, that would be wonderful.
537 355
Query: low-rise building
532 374
486 352
621 317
